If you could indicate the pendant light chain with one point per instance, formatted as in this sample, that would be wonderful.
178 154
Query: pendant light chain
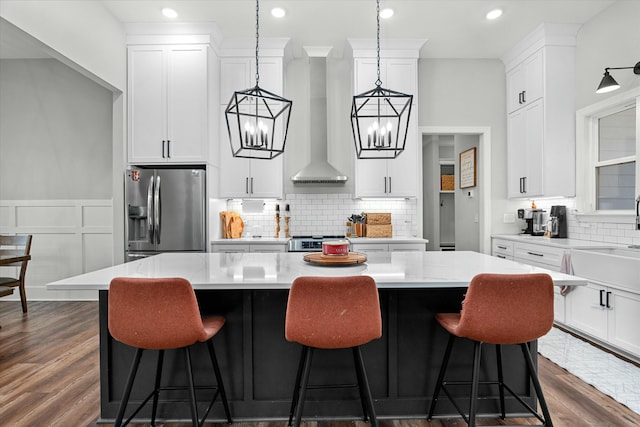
257 39
378 82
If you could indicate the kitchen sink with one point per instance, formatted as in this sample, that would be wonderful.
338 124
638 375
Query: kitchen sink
615 265
622 252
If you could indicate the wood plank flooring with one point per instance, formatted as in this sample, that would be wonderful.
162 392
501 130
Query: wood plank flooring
49 376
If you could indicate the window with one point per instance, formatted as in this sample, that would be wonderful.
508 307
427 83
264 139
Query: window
608 156
615 168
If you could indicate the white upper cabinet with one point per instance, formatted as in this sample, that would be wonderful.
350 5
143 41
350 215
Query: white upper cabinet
241 177
167 104
525 82
541 113
399 72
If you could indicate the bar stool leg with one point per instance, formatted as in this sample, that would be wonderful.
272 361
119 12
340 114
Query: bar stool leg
536 384
296 388
192 390
363 398
156 389
503 414
443 369
365 384
475 377
303 387
216 369
127 389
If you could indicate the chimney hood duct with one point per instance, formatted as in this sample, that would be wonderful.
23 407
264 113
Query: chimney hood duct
318 171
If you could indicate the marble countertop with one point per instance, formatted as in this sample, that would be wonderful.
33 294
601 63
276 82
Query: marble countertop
219 271
284 240
559 243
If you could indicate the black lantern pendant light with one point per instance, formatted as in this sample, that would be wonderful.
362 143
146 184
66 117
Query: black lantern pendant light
257 120
380 117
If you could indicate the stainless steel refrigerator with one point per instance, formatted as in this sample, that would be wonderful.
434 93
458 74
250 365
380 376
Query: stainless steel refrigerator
165 209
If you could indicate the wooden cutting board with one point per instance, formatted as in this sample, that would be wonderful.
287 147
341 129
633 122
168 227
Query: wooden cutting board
335 260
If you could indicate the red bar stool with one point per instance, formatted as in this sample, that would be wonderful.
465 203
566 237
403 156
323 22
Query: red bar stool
332 313
499 309
162 314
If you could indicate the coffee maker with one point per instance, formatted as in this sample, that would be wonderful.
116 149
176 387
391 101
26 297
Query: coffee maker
535 221
558 217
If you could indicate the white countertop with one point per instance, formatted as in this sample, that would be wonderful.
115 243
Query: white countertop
219 271
284 240
560 243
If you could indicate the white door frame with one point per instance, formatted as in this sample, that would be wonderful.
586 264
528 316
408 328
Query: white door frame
484 177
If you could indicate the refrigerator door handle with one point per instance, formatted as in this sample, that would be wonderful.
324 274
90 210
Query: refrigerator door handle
150 211
156 210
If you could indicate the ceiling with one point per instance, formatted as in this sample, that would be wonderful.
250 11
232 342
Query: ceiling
452 28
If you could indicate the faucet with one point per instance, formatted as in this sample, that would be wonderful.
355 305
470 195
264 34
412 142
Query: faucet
638 213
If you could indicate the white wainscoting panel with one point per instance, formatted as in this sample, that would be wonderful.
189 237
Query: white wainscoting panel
70 237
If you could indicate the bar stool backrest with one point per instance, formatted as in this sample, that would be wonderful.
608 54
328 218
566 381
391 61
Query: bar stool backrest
333 312
507 308
154 313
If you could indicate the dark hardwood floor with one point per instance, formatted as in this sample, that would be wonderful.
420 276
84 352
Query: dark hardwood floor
49 376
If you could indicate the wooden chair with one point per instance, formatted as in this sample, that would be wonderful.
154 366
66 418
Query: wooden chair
17 246
162 314
499 309
332 313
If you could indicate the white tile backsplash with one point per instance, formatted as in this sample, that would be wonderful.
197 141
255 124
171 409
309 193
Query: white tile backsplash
616 232
326 214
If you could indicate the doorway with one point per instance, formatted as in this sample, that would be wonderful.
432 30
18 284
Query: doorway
451 217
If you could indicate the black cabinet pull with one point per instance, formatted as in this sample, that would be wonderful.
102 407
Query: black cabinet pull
601 295
535 253
524 100
168 149
163 141
502 247
608 294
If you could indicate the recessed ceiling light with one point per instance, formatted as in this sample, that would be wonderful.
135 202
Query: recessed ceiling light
169 13
278 12
386 13
494 14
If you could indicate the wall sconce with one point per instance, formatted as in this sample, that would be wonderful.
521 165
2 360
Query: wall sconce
608 83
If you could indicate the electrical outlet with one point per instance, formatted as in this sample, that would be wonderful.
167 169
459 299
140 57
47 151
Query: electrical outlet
509 218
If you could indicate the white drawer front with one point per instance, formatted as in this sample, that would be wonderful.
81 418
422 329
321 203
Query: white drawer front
538 254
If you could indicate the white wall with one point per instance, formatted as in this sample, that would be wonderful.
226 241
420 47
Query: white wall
82 32
55 133
462 93
467 208
610 39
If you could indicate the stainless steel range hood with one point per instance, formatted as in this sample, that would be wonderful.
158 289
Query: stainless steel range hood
318 171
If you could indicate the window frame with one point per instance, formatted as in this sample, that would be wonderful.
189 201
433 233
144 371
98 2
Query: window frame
587 137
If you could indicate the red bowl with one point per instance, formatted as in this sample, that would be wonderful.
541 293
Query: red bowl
335 247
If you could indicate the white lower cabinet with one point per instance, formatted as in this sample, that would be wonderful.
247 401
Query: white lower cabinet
247 247
606 313
387 247
538 255
600 311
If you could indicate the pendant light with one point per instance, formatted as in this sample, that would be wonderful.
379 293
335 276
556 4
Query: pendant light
608 83
257 120
380 117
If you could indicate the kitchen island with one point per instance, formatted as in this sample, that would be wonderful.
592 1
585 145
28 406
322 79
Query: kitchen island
259 365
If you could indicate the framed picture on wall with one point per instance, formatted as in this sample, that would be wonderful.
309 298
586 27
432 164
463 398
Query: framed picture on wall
468 168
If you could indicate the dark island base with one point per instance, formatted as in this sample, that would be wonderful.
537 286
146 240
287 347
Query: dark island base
259 365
